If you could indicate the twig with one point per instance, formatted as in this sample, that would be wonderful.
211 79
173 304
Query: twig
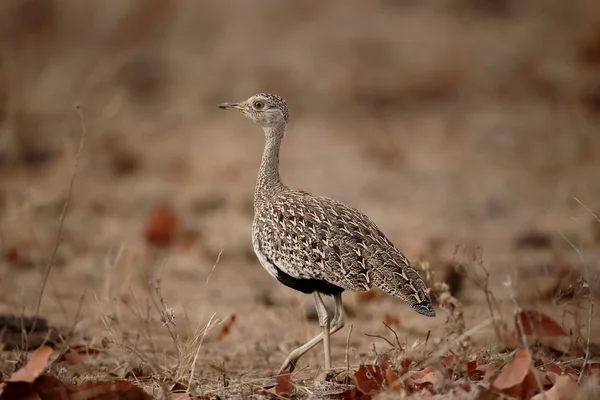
489 297
382 338
587 208
210 274
63 215
396 335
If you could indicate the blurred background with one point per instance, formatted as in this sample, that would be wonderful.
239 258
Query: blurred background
454 124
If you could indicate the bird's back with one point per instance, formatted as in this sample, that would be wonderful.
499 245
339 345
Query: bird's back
320 239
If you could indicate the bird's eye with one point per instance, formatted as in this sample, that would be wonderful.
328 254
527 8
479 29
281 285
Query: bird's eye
259 105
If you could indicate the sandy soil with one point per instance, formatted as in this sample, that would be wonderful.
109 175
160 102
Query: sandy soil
455 124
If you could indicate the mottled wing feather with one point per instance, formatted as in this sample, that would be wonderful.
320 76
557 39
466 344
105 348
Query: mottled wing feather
311 237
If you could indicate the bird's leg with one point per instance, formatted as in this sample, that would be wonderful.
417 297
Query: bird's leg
336 324
324 324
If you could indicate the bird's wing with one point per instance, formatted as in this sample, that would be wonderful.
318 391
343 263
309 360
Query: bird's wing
310 237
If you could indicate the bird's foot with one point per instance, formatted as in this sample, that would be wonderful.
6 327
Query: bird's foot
290 363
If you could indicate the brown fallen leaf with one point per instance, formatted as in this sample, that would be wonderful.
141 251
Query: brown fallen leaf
425 379
179 396
369 379
71 356
514 372
572 372
35 365
117 389
550 366
285 385
384 361
564 388
226 327
592 369
161 226
392 379
391 320
534 323
45 387
50 387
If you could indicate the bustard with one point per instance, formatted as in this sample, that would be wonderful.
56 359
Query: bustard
318 245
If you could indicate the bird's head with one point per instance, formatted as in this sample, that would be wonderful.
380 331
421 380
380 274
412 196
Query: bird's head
268 110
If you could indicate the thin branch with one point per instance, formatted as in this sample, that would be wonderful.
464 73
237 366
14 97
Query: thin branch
65 209
395 335
382 338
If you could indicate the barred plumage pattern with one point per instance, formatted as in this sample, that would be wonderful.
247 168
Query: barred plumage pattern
320 239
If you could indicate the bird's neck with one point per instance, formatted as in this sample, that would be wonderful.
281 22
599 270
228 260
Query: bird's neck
269 182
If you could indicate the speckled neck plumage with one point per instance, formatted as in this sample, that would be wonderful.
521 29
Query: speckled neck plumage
268 183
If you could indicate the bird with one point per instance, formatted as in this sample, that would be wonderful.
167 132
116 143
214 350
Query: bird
318 245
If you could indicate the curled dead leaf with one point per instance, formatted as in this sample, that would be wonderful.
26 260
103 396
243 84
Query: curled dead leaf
592 369
161 226
425 379
369 379
564 388
285 385
36 364
391 320
392 378
515 371
118 389
226 327
534 323
179 396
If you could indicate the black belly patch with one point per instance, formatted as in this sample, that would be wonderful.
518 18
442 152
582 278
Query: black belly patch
307 285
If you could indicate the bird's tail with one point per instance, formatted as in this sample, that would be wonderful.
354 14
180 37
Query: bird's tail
405 283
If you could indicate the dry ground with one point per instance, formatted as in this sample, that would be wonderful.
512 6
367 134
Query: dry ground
465 131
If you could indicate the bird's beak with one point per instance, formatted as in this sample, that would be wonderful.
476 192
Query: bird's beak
231 106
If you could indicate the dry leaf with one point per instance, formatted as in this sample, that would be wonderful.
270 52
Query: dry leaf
49 387
71 356
285 385
549 366
160 227
117 389
45 387
391 320
36 364
572 372
179 396
226 327
369 379
515 371
592 369
534 323
564 388
383 360
425 379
